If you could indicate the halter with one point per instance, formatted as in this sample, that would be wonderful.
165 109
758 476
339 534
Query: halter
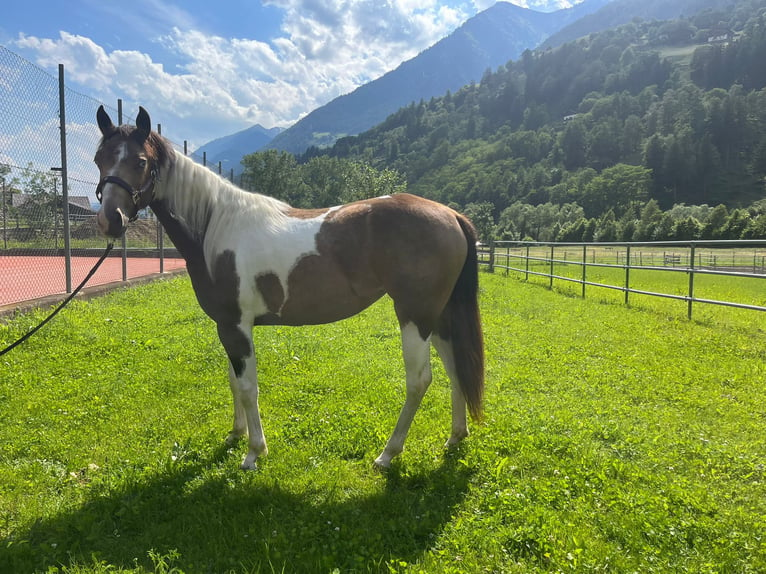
135 194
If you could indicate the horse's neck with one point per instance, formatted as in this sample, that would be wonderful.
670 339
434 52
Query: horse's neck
193 197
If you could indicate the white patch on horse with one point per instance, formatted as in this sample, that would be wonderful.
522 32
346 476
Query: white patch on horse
120 154
275 246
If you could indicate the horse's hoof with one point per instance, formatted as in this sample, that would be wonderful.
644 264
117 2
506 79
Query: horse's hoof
455 439
381 464
232 439
249 463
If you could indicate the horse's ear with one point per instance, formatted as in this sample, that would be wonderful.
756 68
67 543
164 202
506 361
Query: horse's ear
104 122
143 123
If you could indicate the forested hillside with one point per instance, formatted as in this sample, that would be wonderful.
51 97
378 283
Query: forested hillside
614 136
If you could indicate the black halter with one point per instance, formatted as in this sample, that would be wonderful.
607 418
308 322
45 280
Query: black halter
136 194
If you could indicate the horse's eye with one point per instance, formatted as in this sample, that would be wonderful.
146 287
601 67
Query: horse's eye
141 163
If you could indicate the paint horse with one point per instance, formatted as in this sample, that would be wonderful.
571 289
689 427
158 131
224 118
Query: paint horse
254 260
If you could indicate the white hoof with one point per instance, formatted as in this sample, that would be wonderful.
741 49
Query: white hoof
250 462
382 463
456 438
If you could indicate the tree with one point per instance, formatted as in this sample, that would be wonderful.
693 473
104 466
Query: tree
274 173
606 229
687 229
714 225
39 207
617 187
481 215
574 144
650 219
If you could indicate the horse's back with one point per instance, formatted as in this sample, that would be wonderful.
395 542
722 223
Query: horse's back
412 247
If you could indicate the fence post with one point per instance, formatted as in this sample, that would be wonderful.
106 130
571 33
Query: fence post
584 267
691 282
124 235
160 230
491 263
627 274
550 286
64 183
5 218
526 265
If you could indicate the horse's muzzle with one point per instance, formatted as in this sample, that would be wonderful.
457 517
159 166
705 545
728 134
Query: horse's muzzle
113 222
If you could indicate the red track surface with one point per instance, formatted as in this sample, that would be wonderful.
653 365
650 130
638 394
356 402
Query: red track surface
24 278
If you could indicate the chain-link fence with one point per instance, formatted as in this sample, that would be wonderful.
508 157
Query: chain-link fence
48 235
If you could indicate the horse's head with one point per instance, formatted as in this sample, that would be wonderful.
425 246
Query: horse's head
129 160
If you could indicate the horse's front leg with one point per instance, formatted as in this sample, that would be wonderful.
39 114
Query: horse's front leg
239 428
237 340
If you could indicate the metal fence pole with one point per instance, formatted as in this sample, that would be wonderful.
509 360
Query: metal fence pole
691 282
5 218
124 235
526 266
65 183
627 274
550 286
160 231
491 256
584 267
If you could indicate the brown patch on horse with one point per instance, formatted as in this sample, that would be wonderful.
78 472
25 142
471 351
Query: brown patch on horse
271 290
221 302
360 248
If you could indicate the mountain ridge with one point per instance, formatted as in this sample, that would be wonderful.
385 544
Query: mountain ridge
487 40
491 38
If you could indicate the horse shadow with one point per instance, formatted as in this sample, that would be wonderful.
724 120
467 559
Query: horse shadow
188 518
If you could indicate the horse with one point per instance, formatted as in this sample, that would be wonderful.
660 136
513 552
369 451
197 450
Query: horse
254 260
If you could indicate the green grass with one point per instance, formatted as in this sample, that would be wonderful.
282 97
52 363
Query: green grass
741 290
616 439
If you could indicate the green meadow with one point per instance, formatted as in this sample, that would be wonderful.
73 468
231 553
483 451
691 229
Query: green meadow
615 439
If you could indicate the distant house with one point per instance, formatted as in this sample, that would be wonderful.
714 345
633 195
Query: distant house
720 36
79 205
570 117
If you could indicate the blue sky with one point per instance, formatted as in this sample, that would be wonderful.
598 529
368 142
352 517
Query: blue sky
209 69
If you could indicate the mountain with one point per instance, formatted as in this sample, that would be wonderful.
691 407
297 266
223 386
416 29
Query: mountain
621 12
486 41
608 122
229 149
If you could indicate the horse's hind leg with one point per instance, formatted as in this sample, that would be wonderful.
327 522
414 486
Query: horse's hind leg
417 363
459 417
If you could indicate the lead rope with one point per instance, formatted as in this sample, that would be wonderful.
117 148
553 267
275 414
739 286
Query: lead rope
62 305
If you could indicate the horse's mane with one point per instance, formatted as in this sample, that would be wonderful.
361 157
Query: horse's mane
194 192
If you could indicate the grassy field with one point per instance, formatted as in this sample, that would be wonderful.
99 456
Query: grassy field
673 281
616 439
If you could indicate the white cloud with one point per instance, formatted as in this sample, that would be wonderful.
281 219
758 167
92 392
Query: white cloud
86 62
325 49
539 5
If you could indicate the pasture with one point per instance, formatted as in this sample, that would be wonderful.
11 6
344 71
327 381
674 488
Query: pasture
615 439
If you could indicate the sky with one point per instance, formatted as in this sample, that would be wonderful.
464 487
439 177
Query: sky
209 69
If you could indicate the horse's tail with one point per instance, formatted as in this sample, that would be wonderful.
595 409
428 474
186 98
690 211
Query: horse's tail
463 323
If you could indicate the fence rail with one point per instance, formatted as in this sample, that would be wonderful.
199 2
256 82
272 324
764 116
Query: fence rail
614 266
